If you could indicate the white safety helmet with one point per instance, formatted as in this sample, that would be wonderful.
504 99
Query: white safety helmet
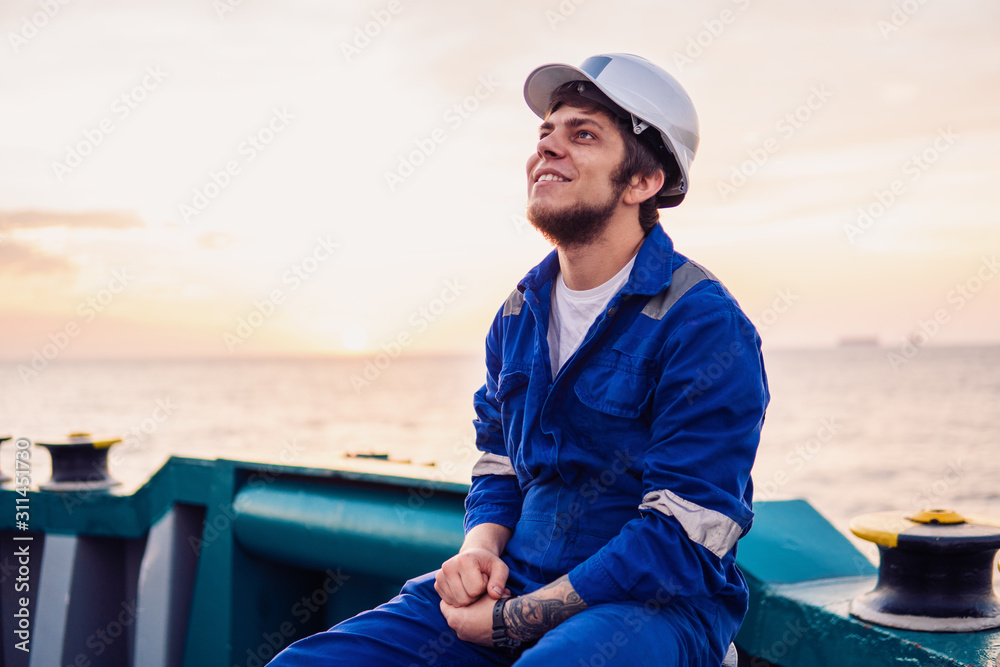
643 91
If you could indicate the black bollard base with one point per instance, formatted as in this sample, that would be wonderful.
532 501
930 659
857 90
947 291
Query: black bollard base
80 463
936 571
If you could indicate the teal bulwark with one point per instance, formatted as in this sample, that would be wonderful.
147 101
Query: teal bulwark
222 563
216 563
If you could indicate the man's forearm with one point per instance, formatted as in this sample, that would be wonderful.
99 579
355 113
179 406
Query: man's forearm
490 536
530 616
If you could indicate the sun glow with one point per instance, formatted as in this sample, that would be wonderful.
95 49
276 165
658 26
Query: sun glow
355 338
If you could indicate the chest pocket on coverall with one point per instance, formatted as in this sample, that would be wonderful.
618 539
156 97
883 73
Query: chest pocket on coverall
619 382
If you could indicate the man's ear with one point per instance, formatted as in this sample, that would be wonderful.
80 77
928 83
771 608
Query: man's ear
641 188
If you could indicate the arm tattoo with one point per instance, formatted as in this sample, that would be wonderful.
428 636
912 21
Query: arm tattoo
531 616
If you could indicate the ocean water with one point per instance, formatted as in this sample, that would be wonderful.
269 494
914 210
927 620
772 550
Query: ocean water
845 430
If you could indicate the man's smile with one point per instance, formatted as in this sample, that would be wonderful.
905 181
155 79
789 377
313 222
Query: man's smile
549 175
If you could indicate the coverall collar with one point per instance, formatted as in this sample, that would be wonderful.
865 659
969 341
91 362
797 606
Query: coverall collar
654 265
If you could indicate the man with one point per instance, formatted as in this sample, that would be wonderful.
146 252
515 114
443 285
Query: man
619 421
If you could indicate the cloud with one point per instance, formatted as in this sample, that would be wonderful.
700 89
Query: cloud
216 241
22 259
35 219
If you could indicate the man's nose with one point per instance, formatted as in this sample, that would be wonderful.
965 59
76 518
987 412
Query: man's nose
550 146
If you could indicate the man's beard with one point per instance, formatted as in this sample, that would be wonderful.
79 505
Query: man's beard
579 224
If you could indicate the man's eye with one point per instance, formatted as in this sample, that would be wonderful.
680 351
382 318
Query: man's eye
584 134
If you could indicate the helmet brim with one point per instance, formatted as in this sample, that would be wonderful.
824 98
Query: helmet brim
544 81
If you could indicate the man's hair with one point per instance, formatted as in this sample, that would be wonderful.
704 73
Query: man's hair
639 160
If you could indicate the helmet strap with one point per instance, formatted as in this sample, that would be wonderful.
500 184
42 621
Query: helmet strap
638 125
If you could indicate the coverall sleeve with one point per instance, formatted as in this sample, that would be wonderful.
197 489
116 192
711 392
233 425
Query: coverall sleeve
495 495
707 412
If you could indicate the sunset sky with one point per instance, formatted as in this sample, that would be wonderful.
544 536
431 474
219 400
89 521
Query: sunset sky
263 178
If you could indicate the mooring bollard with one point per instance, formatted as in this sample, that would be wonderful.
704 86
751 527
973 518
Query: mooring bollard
79 463
3 477
936 571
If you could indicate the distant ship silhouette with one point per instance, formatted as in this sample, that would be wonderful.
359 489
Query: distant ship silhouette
858 341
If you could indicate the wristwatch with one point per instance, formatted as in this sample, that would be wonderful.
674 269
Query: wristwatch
501 641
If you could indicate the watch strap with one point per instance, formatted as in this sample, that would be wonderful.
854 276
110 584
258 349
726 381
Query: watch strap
501 641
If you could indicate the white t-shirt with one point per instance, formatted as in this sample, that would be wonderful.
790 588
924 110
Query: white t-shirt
574 311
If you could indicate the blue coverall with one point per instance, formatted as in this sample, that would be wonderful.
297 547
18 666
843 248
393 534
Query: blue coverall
630 471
